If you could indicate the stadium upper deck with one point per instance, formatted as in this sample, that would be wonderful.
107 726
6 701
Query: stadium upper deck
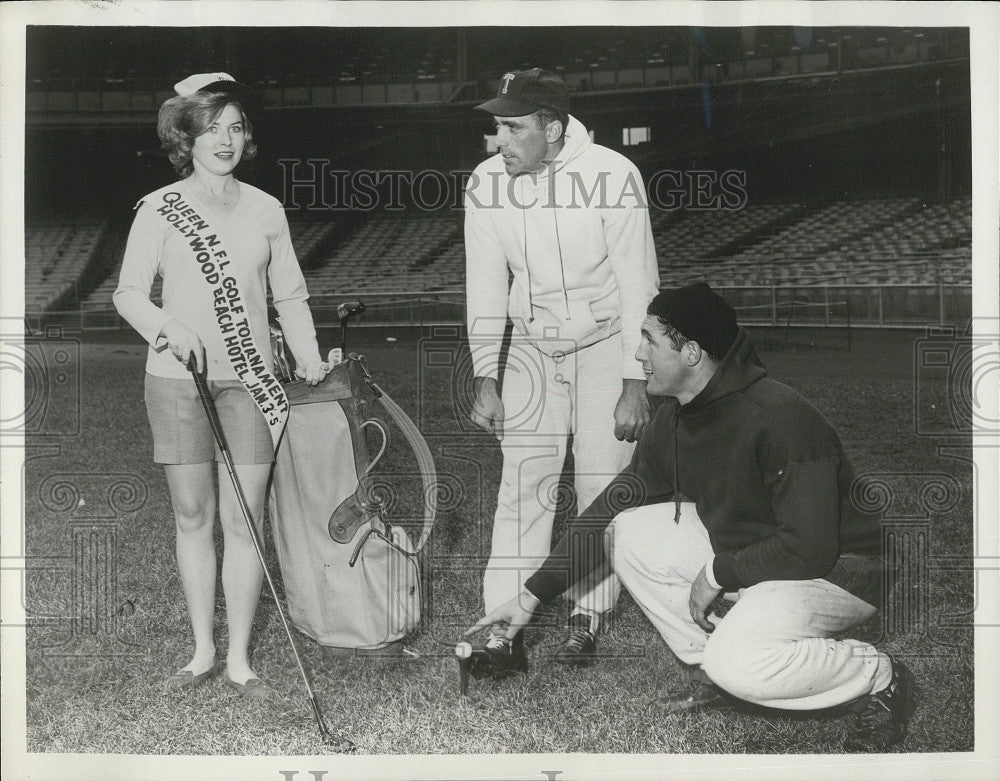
122 69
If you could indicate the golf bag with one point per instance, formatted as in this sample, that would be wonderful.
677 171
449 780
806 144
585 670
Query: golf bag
352 579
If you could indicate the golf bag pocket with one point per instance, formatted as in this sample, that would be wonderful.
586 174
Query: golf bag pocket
352 579
385 575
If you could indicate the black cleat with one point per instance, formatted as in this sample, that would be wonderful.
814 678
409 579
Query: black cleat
495 660
700 694
703 695
580 648
506 657
883 721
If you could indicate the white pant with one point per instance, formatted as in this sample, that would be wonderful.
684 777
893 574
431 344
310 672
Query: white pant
547 399
774 646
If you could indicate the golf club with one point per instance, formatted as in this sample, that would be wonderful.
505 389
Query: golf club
339 744
281 367
345 312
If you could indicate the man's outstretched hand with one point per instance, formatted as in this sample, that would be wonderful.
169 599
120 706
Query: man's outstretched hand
516 613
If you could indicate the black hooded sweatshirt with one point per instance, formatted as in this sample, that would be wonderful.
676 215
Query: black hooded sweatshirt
766 471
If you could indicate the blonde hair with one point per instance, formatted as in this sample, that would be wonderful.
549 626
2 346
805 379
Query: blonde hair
183 118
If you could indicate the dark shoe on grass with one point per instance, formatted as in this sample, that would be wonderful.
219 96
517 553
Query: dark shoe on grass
580 647
703 695
253 689
186 679
883 722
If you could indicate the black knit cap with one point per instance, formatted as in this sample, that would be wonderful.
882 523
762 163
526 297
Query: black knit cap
699 314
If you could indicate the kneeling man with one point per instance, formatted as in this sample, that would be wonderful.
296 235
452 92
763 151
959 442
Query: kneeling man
740 487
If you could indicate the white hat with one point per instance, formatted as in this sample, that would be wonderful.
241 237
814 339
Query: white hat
199 81
220 82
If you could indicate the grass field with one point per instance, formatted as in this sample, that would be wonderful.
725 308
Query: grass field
95 663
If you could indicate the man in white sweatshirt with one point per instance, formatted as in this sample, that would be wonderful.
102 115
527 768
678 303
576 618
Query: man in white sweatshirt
566 221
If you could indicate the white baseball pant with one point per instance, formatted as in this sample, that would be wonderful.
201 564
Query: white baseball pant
546 401
774 646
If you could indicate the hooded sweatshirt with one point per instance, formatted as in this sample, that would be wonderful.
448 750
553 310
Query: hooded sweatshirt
766 471
577 242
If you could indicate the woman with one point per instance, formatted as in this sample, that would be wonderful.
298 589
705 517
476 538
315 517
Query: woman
217 243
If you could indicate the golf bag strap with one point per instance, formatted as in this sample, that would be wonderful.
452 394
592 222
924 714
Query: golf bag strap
425 461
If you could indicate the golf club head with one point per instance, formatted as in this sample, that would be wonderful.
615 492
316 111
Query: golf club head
339 744
345 312
281 366
349 309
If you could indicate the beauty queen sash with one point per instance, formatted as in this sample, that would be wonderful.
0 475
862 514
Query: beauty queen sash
209 255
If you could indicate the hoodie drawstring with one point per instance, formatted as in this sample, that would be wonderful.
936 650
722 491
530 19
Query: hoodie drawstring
562 267
527 268
677 476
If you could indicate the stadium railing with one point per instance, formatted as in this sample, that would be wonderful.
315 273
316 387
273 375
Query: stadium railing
840 306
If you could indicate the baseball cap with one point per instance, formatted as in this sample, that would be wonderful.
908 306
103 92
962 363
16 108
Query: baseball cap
524 92
699 314
248 97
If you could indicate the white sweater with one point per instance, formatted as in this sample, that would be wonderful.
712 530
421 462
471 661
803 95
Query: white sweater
577 241
259 248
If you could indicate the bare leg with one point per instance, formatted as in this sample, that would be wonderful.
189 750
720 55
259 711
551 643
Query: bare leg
242 574
192 495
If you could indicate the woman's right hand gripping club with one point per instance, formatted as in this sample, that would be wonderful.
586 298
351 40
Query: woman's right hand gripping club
184 344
